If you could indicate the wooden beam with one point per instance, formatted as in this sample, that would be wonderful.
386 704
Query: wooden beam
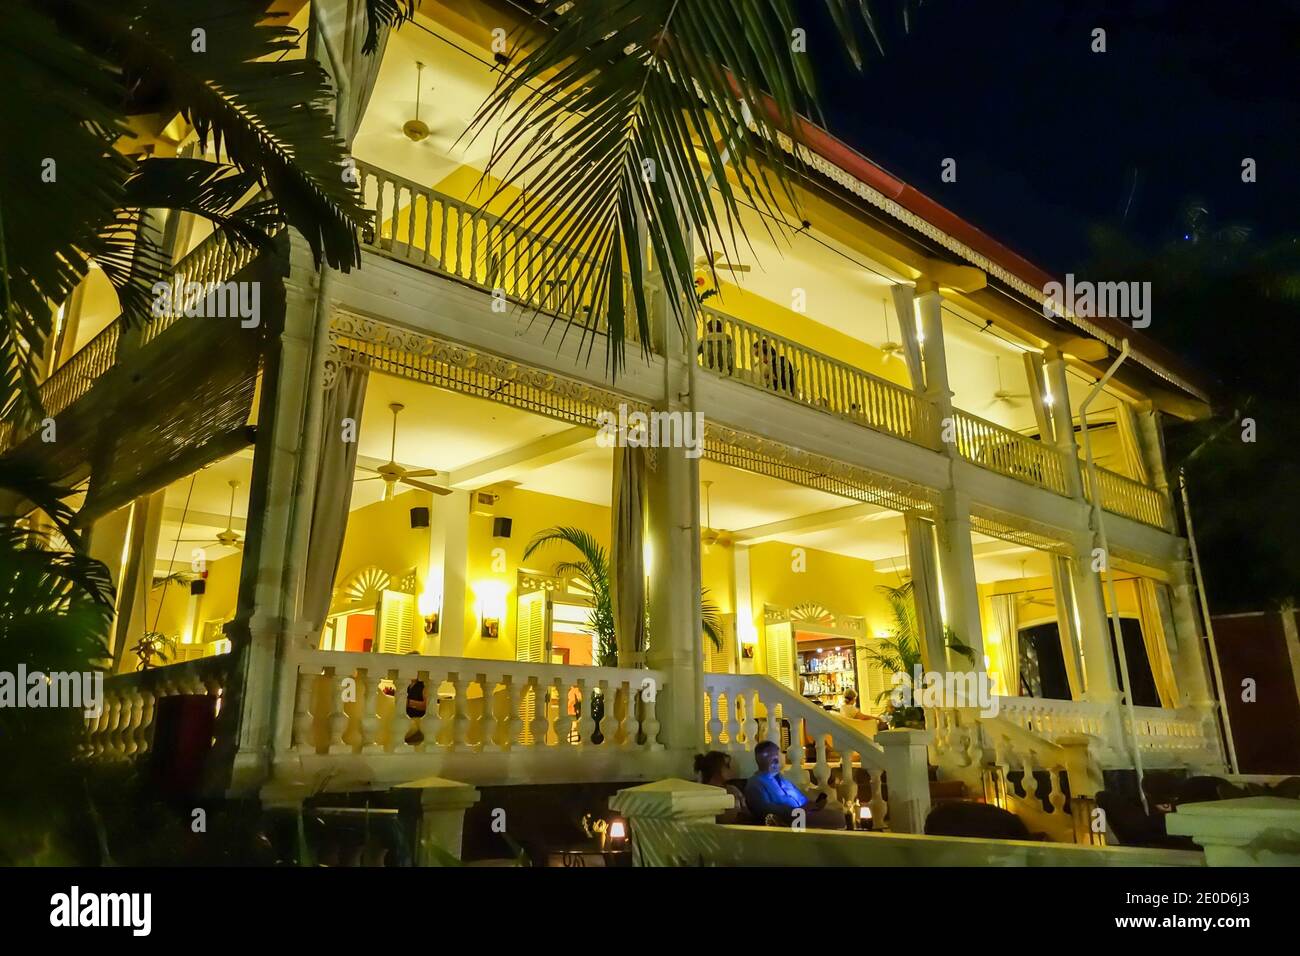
527 457
811 522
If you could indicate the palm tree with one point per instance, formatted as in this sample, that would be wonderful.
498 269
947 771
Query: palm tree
56 605
900 653
593 571
622 119
75 73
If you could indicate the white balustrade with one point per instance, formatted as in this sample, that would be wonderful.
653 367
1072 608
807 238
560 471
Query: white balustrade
354 703
124 729
746 353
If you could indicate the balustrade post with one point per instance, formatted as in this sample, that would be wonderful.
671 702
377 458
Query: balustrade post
909 779
369 723
794 755
401 726
513 724
460 715
585 725
338 720
488 682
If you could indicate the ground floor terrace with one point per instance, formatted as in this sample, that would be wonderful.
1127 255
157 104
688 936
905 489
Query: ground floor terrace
489 591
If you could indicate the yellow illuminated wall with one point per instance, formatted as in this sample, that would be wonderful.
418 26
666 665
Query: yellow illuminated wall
530 512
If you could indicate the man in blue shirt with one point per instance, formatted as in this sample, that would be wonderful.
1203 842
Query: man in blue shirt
767 792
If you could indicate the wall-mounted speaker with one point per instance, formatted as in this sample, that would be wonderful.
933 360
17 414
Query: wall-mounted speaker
198 586
501 527
419 517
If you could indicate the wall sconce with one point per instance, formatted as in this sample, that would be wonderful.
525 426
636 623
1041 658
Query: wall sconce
747 652
429 604
491 607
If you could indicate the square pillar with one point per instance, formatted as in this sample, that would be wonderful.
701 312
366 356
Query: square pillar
961 600
442 817
448 571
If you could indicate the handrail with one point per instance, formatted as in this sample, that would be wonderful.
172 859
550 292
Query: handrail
213 260
1124 496
733 348
457 238
1008 452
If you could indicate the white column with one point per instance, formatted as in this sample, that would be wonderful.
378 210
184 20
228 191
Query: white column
1094 625
448 562
1063 420
261 636
961 601
929 305
743 602
1191 667
673 531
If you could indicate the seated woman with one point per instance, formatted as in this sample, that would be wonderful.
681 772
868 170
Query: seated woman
714 768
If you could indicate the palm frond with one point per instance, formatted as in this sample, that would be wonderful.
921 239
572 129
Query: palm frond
627 116
711 619
380 13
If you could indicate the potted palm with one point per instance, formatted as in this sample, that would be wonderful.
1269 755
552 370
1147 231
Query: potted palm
900 653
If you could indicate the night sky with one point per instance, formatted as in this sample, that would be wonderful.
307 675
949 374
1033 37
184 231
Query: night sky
1048 136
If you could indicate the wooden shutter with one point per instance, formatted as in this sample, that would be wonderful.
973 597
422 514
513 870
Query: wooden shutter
532 641
395 629
780 653
872 680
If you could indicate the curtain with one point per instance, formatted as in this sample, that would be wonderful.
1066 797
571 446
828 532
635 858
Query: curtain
1065 623
345 24
1129 444
906 313
1006 616
334 476
137 578
1156 643
925 594
627 559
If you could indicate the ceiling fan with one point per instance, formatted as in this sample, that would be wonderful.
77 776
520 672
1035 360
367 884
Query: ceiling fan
1025 596
891 348
703 262
1002 395
394 474
709 535
229 538
416 129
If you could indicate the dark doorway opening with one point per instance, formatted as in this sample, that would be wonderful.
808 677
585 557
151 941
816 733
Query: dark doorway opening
1042 663
1139 666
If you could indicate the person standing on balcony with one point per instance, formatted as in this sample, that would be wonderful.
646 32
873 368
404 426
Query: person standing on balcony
777 372
716 350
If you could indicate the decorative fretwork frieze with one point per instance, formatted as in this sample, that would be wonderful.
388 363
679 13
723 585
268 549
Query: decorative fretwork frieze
779 460
1019 530
361 341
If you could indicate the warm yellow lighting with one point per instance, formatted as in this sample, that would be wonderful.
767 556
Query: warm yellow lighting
490 597
617 830
647 553
1048 399
883 634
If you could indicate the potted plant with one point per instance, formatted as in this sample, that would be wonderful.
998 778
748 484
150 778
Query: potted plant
900 653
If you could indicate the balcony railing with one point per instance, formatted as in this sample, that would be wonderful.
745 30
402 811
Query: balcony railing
756 357
420 225
1132 499
999 449
211 261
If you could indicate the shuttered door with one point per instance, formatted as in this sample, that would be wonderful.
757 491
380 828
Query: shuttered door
531 632
780 653
873 680
395 629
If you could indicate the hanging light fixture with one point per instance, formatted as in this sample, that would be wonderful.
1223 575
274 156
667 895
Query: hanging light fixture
416 130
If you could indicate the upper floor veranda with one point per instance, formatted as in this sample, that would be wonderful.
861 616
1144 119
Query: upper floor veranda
870 324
